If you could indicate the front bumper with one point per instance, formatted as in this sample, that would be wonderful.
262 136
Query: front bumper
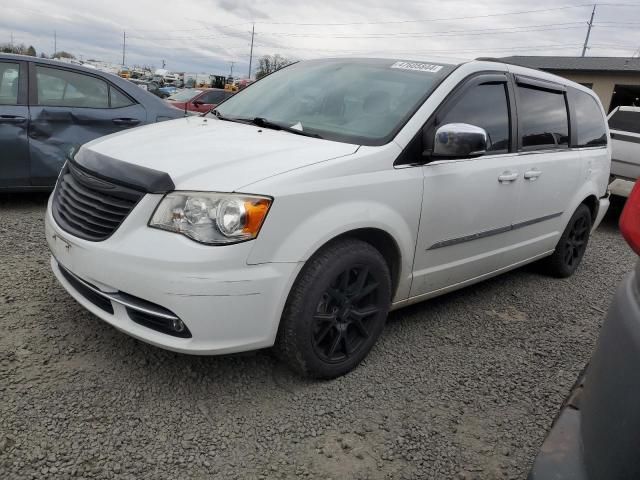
226 304
596 433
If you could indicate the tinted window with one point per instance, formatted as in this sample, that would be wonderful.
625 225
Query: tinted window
62 88
590 127
626 121
213 97
543 118
9 83
119 99
484 106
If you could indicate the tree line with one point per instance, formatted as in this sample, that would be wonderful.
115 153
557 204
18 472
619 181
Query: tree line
22 49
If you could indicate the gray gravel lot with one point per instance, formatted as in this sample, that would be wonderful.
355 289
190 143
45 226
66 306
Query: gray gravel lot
464 386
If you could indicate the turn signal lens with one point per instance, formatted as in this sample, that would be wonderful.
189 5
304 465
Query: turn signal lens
256 211
630 219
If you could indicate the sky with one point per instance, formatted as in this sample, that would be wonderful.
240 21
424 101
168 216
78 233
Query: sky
210 35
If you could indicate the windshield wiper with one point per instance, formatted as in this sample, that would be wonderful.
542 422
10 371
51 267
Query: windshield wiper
264 123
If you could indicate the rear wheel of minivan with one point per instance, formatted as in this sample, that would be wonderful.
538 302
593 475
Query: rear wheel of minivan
336 310
571 247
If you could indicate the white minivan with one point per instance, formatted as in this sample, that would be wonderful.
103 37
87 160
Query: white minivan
304 208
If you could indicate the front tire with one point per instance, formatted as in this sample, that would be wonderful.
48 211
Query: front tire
336 310
572 244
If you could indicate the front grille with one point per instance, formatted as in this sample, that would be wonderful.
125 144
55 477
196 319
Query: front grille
98 300
90 207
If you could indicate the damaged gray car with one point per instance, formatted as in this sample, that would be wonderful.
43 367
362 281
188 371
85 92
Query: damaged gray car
49 108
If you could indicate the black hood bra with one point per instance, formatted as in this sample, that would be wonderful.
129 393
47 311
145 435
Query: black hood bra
126 174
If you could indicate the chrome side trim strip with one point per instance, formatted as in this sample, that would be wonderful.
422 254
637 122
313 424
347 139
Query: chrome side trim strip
120 298
489 233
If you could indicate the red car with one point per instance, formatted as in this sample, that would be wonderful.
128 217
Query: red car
198 99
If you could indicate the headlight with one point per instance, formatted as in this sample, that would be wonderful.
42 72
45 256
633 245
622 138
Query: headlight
211 218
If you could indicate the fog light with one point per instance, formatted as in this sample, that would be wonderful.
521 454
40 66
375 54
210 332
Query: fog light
178 326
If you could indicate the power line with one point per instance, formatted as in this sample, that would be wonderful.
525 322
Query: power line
385 35
409 52
424 20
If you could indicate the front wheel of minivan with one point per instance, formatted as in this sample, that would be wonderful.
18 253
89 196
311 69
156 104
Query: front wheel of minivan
336 310
571 246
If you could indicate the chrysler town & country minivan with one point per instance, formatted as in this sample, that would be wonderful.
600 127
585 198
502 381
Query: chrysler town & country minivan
304 208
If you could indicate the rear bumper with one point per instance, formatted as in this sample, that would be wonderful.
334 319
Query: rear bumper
595 436
621 186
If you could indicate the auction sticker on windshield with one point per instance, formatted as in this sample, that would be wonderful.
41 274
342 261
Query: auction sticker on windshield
420 67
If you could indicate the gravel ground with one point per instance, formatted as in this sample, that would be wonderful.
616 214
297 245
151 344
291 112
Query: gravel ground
464 386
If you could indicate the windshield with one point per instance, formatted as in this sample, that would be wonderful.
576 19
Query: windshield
357 101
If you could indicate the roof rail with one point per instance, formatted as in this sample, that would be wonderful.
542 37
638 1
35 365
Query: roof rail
505 61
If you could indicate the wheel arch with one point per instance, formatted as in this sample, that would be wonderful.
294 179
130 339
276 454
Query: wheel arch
593 204
382 241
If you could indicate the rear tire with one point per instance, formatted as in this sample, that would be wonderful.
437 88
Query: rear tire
571 247
336 310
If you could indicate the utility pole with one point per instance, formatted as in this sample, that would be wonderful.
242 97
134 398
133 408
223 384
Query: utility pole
55 42
253 31
11 43
231 74
586 40
124 44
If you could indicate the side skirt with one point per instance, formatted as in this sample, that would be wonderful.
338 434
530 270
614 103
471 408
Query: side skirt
471 281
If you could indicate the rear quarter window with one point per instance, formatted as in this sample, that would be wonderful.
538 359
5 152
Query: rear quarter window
591 130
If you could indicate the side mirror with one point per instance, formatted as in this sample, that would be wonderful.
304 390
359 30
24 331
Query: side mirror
459 140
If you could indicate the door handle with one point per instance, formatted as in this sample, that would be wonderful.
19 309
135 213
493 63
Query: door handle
508 177
126 121
532 174
12 119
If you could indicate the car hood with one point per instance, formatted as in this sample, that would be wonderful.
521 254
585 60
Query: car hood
203 153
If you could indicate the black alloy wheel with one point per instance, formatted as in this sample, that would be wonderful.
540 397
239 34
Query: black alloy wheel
576 242
336 309
344 313
572 245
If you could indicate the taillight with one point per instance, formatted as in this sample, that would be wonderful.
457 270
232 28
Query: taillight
630 219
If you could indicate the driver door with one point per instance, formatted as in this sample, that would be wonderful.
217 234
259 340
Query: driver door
469 204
